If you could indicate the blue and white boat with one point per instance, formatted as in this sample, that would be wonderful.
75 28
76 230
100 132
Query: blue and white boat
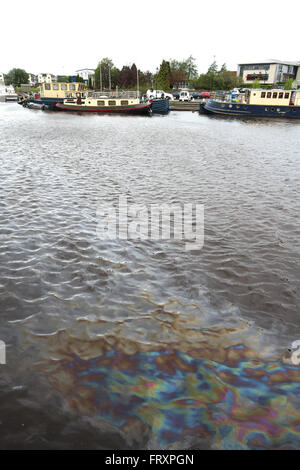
274 103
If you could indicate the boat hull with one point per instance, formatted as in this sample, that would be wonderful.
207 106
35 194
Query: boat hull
242 110
143 108
160 106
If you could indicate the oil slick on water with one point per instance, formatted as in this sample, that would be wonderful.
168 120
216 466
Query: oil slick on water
221 386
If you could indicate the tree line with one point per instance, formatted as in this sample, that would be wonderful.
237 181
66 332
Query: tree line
172 74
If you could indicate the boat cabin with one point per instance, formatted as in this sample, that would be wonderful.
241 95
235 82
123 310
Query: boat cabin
61 90
273 97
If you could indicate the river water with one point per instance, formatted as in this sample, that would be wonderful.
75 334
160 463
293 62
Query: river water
142 344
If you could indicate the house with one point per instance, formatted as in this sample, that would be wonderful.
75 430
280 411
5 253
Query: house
46 78
1 77
269 72
86 74
32 79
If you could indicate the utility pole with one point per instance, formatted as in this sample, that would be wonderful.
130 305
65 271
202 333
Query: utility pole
109 78
100 73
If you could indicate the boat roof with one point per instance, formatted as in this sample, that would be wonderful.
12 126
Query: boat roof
270 89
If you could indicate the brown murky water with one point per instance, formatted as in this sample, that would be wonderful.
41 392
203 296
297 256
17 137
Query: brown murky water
128 344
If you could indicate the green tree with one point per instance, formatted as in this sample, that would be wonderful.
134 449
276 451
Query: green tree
216 79
109 74
62 79
163 77
213 68
256 83
16 77
79 79
289 84
182 71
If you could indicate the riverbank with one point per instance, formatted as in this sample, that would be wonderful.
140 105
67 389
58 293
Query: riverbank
184 105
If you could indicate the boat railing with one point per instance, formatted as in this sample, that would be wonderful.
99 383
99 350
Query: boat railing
117 94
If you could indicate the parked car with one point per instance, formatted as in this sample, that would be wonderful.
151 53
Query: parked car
176 95
184 96
205 94
196 95
158 94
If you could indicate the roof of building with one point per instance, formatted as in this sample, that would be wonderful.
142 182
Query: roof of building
270 61
80 70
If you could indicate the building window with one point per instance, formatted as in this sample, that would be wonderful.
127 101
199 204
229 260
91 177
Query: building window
280 95
286 96
275 95
263 94
269 94
112 103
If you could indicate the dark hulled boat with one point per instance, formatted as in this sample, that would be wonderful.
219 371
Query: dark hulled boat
256 103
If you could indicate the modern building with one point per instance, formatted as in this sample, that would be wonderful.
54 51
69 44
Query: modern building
86 74
46 78
269 72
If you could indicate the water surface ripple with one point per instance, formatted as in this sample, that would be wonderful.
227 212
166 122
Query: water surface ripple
126 344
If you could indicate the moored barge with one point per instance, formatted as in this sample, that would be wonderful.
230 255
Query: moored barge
113 102
74 97
256 103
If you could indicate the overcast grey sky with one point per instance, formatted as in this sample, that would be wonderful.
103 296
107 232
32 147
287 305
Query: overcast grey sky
61 36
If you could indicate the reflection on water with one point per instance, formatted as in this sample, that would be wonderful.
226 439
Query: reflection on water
122 344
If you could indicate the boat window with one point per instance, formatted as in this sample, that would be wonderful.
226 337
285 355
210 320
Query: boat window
286 96
72 87
47 86
269 94
280 95
275 94
124 102
100 103
294 110
237 106
55 86
64 87
266 109
272 109
111 102
278 109
263 94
